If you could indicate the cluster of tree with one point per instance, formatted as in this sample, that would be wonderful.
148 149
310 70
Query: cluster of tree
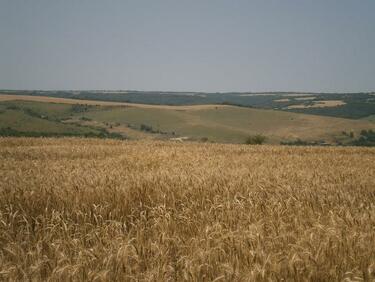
150 129
350 134
85 118
257 139
300 142
30 112
352 109
27 111
12 107
147 128
77 108
10 132
366 138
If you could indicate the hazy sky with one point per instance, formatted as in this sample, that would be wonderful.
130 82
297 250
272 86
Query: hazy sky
302 45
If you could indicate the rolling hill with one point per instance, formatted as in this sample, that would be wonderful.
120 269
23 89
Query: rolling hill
217 123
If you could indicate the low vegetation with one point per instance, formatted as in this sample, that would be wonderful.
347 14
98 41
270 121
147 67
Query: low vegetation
217 123
257 139
300 142
107 210
345 105
366 138
100 133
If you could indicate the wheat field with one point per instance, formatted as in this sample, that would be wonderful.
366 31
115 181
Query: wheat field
104 210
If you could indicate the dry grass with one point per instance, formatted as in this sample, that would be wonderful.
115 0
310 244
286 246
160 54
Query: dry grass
297 94
73 209
319 104
7 97
304 98
282 100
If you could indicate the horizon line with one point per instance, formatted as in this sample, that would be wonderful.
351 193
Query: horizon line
182 91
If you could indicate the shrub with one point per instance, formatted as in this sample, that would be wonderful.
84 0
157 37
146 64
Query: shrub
79 108
147 128
12 107
257 139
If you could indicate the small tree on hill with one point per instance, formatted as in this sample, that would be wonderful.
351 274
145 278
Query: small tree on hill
257 139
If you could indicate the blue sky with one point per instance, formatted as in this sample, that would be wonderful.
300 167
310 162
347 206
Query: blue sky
264 45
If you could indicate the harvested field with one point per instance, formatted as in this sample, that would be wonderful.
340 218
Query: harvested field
5 97
297 94
319 104
104 210
304 98
281 100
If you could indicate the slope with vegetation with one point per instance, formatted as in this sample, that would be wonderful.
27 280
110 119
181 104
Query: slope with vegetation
344 105
38 119
215 123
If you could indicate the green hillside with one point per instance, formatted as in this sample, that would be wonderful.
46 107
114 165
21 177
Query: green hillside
228 124
24 118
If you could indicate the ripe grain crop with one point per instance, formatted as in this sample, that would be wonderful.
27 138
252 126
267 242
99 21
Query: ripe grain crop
104 210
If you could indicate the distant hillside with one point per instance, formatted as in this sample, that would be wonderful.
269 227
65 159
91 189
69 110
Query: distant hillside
346 105
216 123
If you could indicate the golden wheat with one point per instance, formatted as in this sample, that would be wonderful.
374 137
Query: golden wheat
80 209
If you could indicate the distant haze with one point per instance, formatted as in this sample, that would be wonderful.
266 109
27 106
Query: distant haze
264 45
